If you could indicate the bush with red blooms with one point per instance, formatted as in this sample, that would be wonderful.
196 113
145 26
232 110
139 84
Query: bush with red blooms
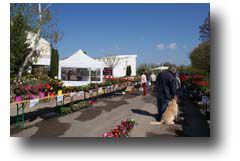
197 77
196 82
201 83
183 77
121 130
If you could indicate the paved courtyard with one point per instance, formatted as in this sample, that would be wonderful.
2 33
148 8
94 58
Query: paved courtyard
108 112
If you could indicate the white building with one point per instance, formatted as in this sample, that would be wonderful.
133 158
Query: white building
44 48
78 69
122 62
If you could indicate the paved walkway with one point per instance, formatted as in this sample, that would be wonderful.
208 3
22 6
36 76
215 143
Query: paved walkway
108 112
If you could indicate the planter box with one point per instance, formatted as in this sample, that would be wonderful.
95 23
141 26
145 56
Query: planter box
87 95
100 91
94 94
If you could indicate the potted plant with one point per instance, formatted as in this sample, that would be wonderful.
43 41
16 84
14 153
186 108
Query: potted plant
18 95
59 88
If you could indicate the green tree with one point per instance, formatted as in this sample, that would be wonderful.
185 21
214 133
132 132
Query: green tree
142 68
200 57
129 70
54 63
205 30
19 48
39 21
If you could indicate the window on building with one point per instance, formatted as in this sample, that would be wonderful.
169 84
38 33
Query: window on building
107 71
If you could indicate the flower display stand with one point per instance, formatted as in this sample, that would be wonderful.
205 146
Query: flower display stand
20 116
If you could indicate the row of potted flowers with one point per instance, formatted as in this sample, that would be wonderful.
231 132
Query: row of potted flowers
26 91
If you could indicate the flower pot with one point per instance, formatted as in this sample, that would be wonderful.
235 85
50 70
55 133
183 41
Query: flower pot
18 98
59 92
51 94
41 94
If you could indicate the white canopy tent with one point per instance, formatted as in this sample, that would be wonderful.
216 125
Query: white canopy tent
161 68
80 69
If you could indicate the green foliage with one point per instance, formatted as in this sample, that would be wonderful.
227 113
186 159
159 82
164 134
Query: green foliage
146 68
86 88
190 70
200 57
142 68
68 89
205 30
66 109
54 63
30 11
19 48
129 70
37 21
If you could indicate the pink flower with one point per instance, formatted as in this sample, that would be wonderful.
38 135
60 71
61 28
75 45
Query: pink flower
105 135
18 98
110 135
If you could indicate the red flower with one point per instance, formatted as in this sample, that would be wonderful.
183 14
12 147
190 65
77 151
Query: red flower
27 88
198 77
47 86
201 83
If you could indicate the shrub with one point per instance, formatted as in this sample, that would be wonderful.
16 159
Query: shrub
129 70
54 64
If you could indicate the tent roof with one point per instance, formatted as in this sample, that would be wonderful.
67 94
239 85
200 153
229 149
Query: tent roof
80 60
160 68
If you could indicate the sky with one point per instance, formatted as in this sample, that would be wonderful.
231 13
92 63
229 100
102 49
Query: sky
156 33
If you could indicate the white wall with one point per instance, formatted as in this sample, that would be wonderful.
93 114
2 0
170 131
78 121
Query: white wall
124 61
44 49
120 69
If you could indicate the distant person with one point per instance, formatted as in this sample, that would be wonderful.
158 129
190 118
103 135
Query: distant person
153 79
144 83
165 89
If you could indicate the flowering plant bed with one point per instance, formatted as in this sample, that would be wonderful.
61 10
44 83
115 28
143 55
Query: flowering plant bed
196 86
34 86
122 130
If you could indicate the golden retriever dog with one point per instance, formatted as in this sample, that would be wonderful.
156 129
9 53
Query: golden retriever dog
170 113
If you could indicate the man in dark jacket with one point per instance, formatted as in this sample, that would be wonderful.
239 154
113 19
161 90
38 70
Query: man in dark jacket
165 89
